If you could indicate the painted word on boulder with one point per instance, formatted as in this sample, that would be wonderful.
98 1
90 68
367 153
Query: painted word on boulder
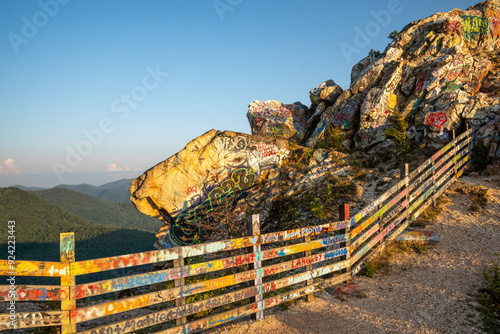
474 25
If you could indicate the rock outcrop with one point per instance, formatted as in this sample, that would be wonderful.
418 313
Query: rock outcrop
273 118
209 176
439 74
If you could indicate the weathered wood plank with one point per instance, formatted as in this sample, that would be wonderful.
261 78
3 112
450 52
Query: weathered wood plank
418 202
123 305
363 237
436 155
225 245
138 323
123 261
438 193
67 247
225 317
33 292
33 319
221 300
34 268
374 205
133 281
430 181
212 321
361 253
378 214
124 283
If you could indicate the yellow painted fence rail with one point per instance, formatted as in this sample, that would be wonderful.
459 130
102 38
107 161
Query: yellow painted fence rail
210 284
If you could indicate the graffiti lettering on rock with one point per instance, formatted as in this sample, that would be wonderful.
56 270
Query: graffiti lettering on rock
420 82
437 119
475 25
235 144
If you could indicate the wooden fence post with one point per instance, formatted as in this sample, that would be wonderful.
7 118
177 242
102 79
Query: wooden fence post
404 172
179 283
67 255
309 297
454 145
253 229
344 215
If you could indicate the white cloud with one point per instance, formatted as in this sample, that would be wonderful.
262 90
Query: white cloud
111 167
9 167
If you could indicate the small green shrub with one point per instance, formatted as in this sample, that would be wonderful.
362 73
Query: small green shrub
393 34
489 299
398 133
318 208
373 54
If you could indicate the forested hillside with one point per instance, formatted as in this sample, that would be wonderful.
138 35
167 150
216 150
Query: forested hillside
122 215
115 192
38 225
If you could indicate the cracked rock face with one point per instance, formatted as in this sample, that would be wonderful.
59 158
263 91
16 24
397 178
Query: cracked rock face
440 73
273 118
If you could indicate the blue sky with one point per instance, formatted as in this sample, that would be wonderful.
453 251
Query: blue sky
95 91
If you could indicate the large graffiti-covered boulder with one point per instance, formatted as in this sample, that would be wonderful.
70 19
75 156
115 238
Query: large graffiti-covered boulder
439 73
205 179
273 118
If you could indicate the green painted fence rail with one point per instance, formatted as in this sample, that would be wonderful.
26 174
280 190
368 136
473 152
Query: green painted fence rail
237 278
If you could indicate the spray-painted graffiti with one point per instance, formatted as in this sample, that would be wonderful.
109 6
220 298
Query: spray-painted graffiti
33 268
266 150
453 27
235 144
67 246
393 101
420 81
479 82
452 86
186 229
474 25
394 81
494 18
280 130
437 119
416 104
454 69
33 319
24 293
191 190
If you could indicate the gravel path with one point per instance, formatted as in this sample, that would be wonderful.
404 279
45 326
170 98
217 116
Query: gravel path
431 292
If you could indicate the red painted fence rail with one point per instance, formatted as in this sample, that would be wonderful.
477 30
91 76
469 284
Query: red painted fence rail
235 278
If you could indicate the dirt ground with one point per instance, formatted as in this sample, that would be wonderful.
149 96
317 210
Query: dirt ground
430 292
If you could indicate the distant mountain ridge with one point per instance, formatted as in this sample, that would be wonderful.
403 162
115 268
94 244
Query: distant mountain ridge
114 192
121 215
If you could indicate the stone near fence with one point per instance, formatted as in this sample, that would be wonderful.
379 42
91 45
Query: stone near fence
418 235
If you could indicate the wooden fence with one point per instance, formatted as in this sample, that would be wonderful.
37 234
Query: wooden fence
218 282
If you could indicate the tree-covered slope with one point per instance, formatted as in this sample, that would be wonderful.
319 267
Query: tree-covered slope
115 192
38 224
122 215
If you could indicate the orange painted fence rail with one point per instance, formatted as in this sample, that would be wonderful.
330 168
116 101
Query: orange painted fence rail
210 284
